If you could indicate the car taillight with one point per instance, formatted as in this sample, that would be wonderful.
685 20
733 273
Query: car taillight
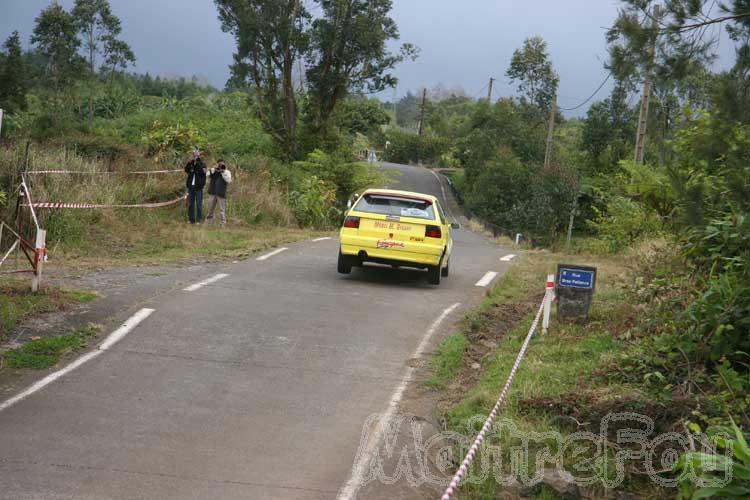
433 232
351 222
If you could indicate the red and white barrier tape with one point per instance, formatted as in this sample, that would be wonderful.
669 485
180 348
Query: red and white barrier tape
60 205
78 172
463 470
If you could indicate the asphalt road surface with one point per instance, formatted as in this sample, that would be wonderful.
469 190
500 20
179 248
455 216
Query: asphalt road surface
254 386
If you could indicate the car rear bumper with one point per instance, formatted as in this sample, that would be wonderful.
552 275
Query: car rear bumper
392 256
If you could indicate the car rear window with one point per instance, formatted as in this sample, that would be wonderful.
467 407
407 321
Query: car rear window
396 206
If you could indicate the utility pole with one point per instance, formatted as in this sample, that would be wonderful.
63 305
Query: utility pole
640 138
550 132
489 92
421 116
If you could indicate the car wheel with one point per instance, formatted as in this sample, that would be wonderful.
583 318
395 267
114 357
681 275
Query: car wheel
345 264
433 275
446 270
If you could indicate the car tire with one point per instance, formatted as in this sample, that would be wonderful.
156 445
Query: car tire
446 270
345 264
433 275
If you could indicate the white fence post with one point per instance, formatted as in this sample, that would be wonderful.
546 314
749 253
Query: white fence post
550 295
40 254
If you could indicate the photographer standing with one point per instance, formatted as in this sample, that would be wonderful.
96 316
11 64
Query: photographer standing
220 178
196 181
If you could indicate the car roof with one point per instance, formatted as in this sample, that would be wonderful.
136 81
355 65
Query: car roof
396 192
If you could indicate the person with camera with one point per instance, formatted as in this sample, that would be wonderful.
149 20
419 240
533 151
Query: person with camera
220 178
196 181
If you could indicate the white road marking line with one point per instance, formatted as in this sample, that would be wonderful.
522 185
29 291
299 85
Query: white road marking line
445 197
367 450
111 340
126 328
508 257
269 255
203 283
325 238
433 328
487 279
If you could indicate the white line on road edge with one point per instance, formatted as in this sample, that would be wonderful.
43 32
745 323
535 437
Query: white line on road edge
508 257
445 197
111 340
366 452
126 328
269 255
486 279
203 283
325 238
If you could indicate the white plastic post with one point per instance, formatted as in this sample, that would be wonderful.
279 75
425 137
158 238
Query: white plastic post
548 301
518 238
1 122
39 257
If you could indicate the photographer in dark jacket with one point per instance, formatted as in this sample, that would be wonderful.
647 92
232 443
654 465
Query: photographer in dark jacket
196 181
220 178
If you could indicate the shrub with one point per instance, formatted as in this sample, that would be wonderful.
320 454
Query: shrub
625 222
339 171
171 142
724 475
313 202
406 147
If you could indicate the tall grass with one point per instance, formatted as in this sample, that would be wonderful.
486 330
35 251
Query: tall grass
255 201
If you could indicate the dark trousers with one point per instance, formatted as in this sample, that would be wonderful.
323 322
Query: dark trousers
195 205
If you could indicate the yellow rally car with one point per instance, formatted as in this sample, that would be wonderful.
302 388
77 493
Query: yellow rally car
399 228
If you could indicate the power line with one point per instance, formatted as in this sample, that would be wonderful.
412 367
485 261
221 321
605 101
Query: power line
592 95
481 91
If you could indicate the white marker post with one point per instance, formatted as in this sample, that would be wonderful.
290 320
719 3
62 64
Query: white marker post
40 254
549 297
518 238
1 122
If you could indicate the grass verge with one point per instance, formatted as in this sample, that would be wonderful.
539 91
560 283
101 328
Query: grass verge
44 353
18 303
562 385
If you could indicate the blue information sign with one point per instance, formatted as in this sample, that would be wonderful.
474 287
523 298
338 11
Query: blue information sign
576 278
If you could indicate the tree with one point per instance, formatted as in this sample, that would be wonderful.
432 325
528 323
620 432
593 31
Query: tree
270 35
13 77
345 51
531 68
100 28
407 110
349 53
117 55
56 40
359 115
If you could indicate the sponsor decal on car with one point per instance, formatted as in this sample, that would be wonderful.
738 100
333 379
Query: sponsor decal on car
392 226
390 244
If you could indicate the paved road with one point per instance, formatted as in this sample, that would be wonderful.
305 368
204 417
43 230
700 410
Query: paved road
253 387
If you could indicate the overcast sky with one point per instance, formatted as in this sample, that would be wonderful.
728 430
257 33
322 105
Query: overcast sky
462 42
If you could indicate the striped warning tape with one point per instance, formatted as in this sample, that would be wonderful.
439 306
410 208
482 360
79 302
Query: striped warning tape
61 205
79 172
471 455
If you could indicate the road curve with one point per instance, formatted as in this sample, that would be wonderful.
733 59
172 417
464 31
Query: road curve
255 385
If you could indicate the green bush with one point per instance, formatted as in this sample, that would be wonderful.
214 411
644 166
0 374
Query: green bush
501 194
625 222
338 170
723 475
171 142
407 147
313 202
